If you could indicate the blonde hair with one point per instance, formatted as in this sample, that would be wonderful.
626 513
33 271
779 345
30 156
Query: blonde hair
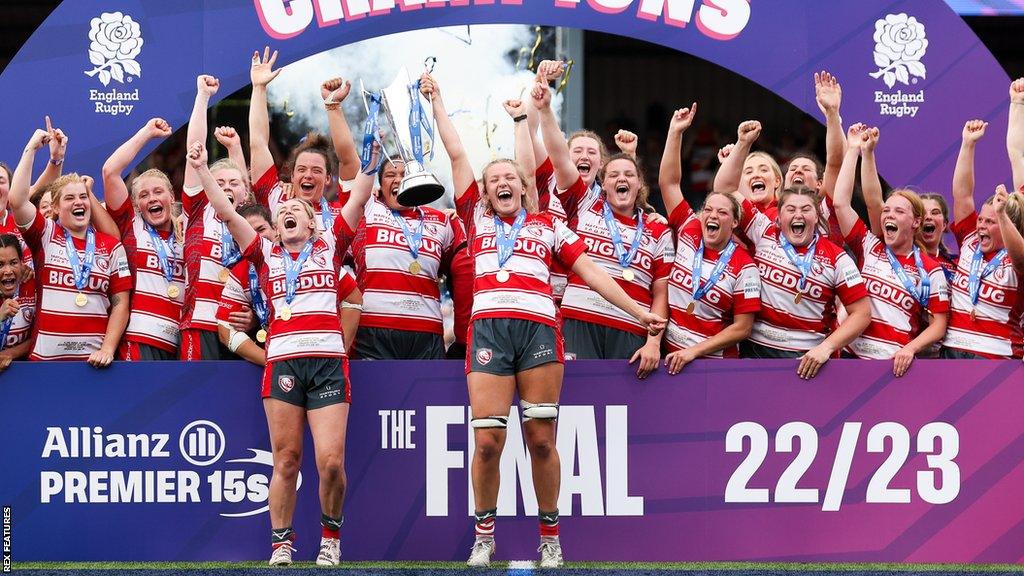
1014 209
529 202
917 207
227 164
775 169
307 207
601 148
151 173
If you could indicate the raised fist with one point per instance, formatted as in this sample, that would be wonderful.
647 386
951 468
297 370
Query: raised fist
335 90
974 130
626 141
541 95
158 128
227 137
724 152
207 85
196 155
1017 91
748 131
514 108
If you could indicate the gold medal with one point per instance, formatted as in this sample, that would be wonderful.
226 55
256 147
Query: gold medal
502 276
286 313
628 275
690 307
224 274
173 291
81 300
799 298
415 267
261 336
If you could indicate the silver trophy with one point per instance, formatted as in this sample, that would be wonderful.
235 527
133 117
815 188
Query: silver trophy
419 186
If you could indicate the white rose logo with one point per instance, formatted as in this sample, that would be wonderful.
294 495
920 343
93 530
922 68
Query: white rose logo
115 42
899 45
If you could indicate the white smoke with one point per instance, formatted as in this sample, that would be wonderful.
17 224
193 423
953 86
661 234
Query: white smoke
473 69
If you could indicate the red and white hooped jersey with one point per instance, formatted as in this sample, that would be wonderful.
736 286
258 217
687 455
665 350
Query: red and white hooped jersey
527 293
545 176
394 297
314 328
783 323
202 263
155 315
738 291
652 262
63 330
997 331
896 315
27 291
270 193
21 327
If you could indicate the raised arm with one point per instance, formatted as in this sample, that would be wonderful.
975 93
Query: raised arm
114 190
870 184
362 188
731 172
524 145
24 211
100 218
627 142
58 149
547 72
261 74
670 175
963 174
462 171
206 87
228 138
557 148
334 92
842 197
1015 133
829 95
1012 239
239 227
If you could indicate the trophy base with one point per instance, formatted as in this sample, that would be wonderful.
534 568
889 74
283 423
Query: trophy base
419 189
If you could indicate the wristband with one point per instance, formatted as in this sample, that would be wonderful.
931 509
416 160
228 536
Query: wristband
519 118
331 105
351 306
56 162
236 341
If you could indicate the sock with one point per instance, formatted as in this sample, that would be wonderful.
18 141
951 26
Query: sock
548 524
281 536
485 522
331 527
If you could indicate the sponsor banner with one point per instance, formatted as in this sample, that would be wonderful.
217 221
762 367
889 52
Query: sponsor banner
101 68
731 460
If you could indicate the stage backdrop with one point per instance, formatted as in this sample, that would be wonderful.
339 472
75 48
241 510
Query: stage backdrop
731 460
101 68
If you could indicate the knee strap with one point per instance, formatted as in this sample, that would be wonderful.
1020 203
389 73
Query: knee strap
490 422
542 411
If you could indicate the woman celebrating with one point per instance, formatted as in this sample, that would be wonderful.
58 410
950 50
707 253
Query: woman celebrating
84 278
936 223
514 342
801 274
907 288
15 313
155 254
756 175
714 290
306 374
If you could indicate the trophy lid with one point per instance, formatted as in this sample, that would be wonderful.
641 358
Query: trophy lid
419 188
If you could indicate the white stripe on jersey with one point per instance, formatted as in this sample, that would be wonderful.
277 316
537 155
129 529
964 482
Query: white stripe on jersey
155 316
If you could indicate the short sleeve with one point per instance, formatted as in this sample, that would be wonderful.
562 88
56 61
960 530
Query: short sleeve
466 204
965 227
34 232
664 255
121 276
858 240
849 283
754 223
680 215
124 217
568 245
233 296
746 296
346 284
263 187
938 299
572 197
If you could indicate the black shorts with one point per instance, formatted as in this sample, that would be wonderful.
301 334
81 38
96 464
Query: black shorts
204 345
750 349
507 346
958 354
138 352
308 382
589 341
391 344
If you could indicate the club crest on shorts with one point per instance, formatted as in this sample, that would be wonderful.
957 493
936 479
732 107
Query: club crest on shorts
286 383
483 356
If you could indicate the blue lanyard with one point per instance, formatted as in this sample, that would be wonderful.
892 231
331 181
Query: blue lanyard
506 242
5 328
81 270
166 263
369 135
325 214
920 294
413 239
625 258
803 264
292 268
974 281
418 123
716 273
229 253
259 305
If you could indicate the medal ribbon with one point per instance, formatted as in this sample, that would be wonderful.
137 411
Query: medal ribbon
418 123
292 268
413 239
259 305
162 249
325 214
974 281
625 258
229 252
369 135
921 293
802 263
81 270
506 242
716 273
5 328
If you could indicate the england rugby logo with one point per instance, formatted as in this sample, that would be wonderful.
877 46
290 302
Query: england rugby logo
115 42
900 44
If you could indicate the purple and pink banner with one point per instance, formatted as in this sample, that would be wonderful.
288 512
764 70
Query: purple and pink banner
731 460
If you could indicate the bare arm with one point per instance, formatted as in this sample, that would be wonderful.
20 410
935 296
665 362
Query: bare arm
248 350
334 92
671 172
120 309
557 148
829 95
18 351
1015 132
206 87
261 74
239 227
362 188
603 284
24 211
736 332
462 171
963 174
58 149
1012 239
730 173
870 184
843 195
114 190
350 317
524 145
229 139
99 216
